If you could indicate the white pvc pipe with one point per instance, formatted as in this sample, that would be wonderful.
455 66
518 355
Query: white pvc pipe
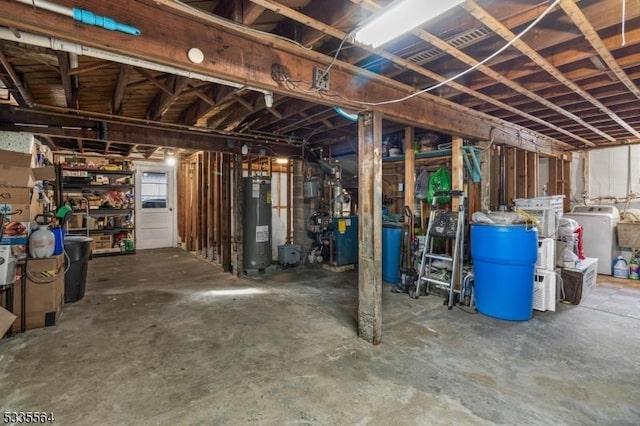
51 7
57 44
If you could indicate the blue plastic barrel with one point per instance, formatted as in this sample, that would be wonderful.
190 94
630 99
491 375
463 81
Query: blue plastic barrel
391 244
504 262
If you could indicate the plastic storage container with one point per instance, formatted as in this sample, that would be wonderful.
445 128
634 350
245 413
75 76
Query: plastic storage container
620 268
391 244
504 261
42 242
78 250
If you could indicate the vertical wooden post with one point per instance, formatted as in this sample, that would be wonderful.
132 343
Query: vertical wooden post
409 169
554 185
370 229
289 202
238 206
487 177
494 189
521 173
225 212
210 205
457 170
511 176
532 174
217 197
566 181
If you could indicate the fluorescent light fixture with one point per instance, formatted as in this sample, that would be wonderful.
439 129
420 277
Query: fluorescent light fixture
282 161
400 17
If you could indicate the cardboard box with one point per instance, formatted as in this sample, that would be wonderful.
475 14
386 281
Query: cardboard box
580 280
47 173
44 295
18 225
19 199
6 321
15 169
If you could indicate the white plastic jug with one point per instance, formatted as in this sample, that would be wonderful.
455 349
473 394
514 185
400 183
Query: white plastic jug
620 268
42 242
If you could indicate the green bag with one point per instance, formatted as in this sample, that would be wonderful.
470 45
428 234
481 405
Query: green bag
439 181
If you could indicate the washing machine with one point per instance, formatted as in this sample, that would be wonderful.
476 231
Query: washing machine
599 233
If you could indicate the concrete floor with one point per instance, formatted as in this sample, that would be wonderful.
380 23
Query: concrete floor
163 337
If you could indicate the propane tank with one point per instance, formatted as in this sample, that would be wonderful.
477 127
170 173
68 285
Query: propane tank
42 242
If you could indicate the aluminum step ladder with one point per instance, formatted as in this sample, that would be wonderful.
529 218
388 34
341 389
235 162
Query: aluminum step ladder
444 225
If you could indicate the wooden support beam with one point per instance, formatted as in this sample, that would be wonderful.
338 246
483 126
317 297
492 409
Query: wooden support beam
155 80
250 12
289 201
491 22
121 87
202 203
409 170
21 94
163 100
511 175
70 92
494 189
52 124
566 180
457 170
590 33
370 229
217 193
97 65
521 174
554 184
487 177
175 24
533 173
446 47
237 196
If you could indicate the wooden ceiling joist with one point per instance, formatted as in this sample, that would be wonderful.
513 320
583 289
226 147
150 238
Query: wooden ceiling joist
82 129
581 21
121 87
471 62
327 29
21 94
163 100
483 16
70 92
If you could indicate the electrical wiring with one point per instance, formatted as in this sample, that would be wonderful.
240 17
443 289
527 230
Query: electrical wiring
484 61
335 58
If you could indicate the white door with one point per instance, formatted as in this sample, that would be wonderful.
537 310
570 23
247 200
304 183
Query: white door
155 212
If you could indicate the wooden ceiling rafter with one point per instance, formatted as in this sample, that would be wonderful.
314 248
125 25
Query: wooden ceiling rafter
581 76
581 21
155 80
561 48
19 92
120 88
70 91
327 29
75 128
245 56
483 16
516 87
94 66
163 100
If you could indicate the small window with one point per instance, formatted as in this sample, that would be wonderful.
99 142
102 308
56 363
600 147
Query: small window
153 188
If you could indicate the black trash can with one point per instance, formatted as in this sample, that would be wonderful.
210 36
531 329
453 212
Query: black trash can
78 250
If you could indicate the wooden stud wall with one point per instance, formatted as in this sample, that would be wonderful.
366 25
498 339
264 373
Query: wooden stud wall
202 196
206 182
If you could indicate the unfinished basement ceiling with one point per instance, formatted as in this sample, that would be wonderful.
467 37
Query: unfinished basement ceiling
572 79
